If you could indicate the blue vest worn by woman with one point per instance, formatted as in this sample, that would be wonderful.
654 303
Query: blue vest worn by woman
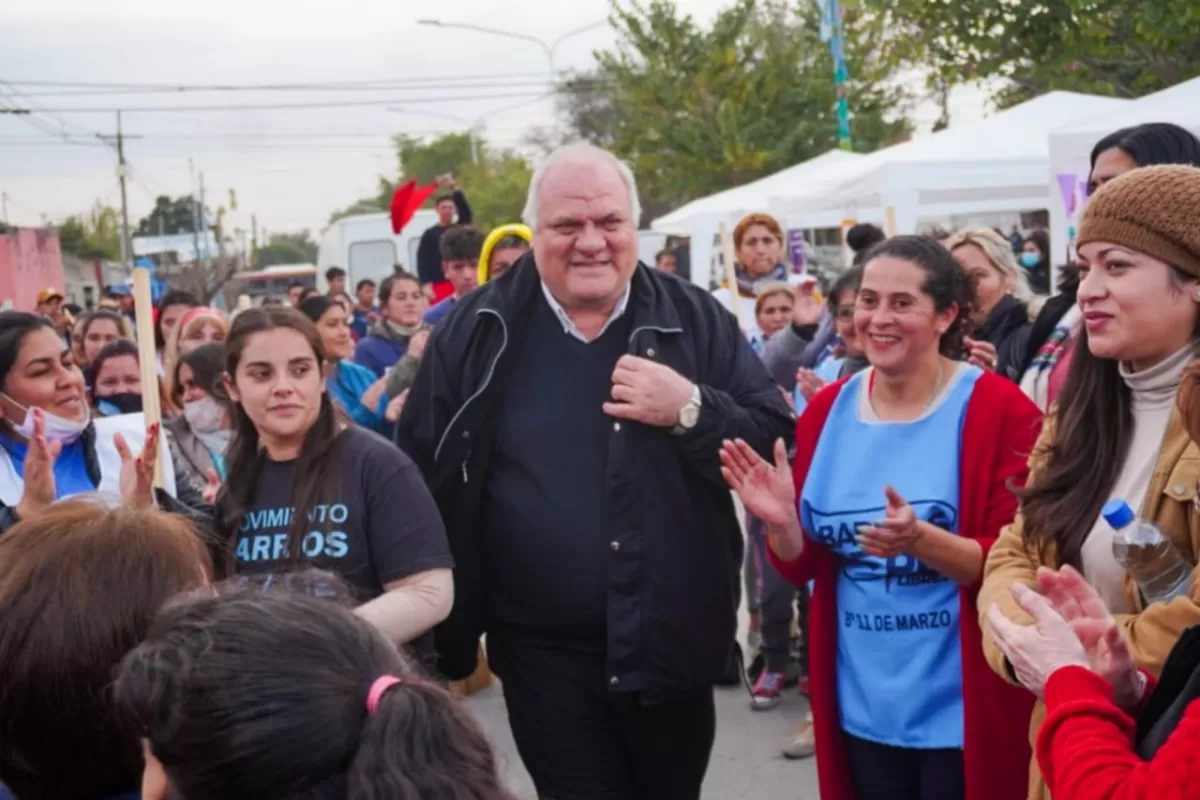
899 653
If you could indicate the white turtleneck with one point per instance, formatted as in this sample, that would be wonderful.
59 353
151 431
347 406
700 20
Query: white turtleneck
1154 391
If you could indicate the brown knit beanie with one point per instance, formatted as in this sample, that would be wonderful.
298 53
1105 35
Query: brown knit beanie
1153 210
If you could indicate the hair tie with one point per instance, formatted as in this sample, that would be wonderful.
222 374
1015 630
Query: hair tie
378 690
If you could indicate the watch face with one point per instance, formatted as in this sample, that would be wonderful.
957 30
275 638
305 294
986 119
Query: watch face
689 416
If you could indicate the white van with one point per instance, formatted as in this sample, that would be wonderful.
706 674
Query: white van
365 247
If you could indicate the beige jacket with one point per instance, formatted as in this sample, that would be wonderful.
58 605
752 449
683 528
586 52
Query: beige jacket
1152 631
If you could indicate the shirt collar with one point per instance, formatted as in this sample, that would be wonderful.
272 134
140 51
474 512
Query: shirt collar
569 326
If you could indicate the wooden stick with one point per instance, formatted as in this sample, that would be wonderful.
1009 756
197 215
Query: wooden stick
147 362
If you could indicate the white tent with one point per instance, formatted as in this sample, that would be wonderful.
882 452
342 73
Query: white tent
735 203
701 219
999 163
1071 147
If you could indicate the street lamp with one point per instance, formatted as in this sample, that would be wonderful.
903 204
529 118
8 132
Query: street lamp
471 125
548 48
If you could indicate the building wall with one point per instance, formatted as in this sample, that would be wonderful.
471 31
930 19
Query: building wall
30 260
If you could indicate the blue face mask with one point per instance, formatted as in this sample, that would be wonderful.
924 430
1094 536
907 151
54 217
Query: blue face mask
1030 260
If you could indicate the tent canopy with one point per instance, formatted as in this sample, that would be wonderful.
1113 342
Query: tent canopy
731 205
999 163
1179 104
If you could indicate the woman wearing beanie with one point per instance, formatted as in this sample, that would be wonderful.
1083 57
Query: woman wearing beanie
1116 432
1054 334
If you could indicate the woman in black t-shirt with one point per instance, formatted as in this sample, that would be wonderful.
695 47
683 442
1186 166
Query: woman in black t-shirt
305 487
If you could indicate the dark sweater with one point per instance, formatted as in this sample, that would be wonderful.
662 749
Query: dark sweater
547 506
429 253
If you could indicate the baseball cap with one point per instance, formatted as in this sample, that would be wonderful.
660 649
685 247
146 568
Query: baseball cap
48 294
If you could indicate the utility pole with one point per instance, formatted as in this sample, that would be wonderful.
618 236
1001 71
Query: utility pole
203 221
253 241
122 174
195 215
4 207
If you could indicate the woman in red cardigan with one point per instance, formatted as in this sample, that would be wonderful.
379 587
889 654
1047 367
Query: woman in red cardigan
902 481
1074 655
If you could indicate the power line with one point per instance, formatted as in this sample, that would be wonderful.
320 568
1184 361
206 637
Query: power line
489 84
311 85
279 106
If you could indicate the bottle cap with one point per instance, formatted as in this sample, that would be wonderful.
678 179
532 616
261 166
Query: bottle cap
1117 513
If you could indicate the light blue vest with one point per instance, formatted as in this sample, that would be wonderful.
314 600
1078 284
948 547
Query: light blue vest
899 660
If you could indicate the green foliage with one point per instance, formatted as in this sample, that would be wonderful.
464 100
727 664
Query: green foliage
700 109
1034 46
288 248
168 217
95 235
495 184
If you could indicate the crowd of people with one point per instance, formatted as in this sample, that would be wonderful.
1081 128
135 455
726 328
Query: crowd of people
537 442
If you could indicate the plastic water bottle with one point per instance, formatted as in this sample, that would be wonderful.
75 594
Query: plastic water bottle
1157 567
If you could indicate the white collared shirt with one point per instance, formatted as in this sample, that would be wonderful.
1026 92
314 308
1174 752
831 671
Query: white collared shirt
569 326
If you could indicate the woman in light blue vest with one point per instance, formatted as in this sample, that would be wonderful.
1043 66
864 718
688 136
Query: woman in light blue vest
901 485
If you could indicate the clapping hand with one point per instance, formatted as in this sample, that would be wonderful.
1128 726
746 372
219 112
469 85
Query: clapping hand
807 311
137 473
1036 651
896 533
212 487
396 407
40 487
808 383
766 490
1108 653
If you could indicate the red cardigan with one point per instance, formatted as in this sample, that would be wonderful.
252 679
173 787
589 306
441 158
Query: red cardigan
999 432
1085 746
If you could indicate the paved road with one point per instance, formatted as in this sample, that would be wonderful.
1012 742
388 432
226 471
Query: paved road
745 763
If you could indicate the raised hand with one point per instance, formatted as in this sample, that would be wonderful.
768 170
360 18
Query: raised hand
212 487
766 490
982 354
40 487
807 311
809 383
373 394
137 473
396 407
896 533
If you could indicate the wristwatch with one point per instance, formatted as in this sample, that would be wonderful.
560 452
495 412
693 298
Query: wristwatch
689 415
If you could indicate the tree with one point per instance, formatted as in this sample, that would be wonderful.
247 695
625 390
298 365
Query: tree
700 109
494 179
1036 46
170 217
96 235
288 248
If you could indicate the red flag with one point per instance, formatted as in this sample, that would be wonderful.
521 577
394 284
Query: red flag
405 202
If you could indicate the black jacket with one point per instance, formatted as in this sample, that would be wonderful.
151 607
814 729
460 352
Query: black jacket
1007 329
673 581
429 251
188 500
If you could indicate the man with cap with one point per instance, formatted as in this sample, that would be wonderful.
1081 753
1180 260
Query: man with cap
49 302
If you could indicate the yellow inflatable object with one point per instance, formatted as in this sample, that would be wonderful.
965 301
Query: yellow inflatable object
489 244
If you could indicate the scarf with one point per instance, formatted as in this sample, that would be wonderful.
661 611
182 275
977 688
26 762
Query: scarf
386 329
1035 383
748 286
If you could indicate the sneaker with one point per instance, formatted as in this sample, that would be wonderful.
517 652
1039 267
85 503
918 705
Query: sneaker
802 744
767 690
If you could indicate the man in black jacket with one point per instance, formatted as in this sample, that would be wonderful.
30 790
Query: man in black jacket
429 251
568 417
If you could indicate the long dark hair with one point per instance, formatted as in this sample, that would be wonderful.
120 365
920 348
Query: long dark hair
316 467
1093 432
1150 144
945 282
175 297
264 695
207 363
14 327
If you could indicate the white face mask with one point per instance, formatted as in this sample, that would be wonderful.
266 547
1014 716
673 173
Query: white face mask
57 429
204 415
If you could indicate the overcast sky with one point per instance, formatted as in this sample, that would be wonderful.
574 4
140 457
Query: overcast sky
290 167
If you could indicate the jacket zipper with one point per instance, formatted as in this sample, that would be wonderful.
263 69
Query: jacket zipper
487 379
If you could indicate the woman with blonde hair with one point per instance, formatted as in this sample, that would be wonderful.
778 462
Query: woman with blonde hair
198 327
1116 431
1002 295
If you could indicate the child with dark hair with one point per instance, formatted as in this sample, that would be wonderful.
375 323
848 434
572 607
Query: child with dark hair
277 695
461 246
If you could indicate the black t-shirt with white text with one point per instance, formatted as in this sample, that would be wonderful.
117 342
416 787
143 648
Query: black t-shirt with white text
375 524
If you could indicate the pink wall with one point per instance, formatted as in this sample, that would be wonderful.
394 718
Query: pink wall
30 260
